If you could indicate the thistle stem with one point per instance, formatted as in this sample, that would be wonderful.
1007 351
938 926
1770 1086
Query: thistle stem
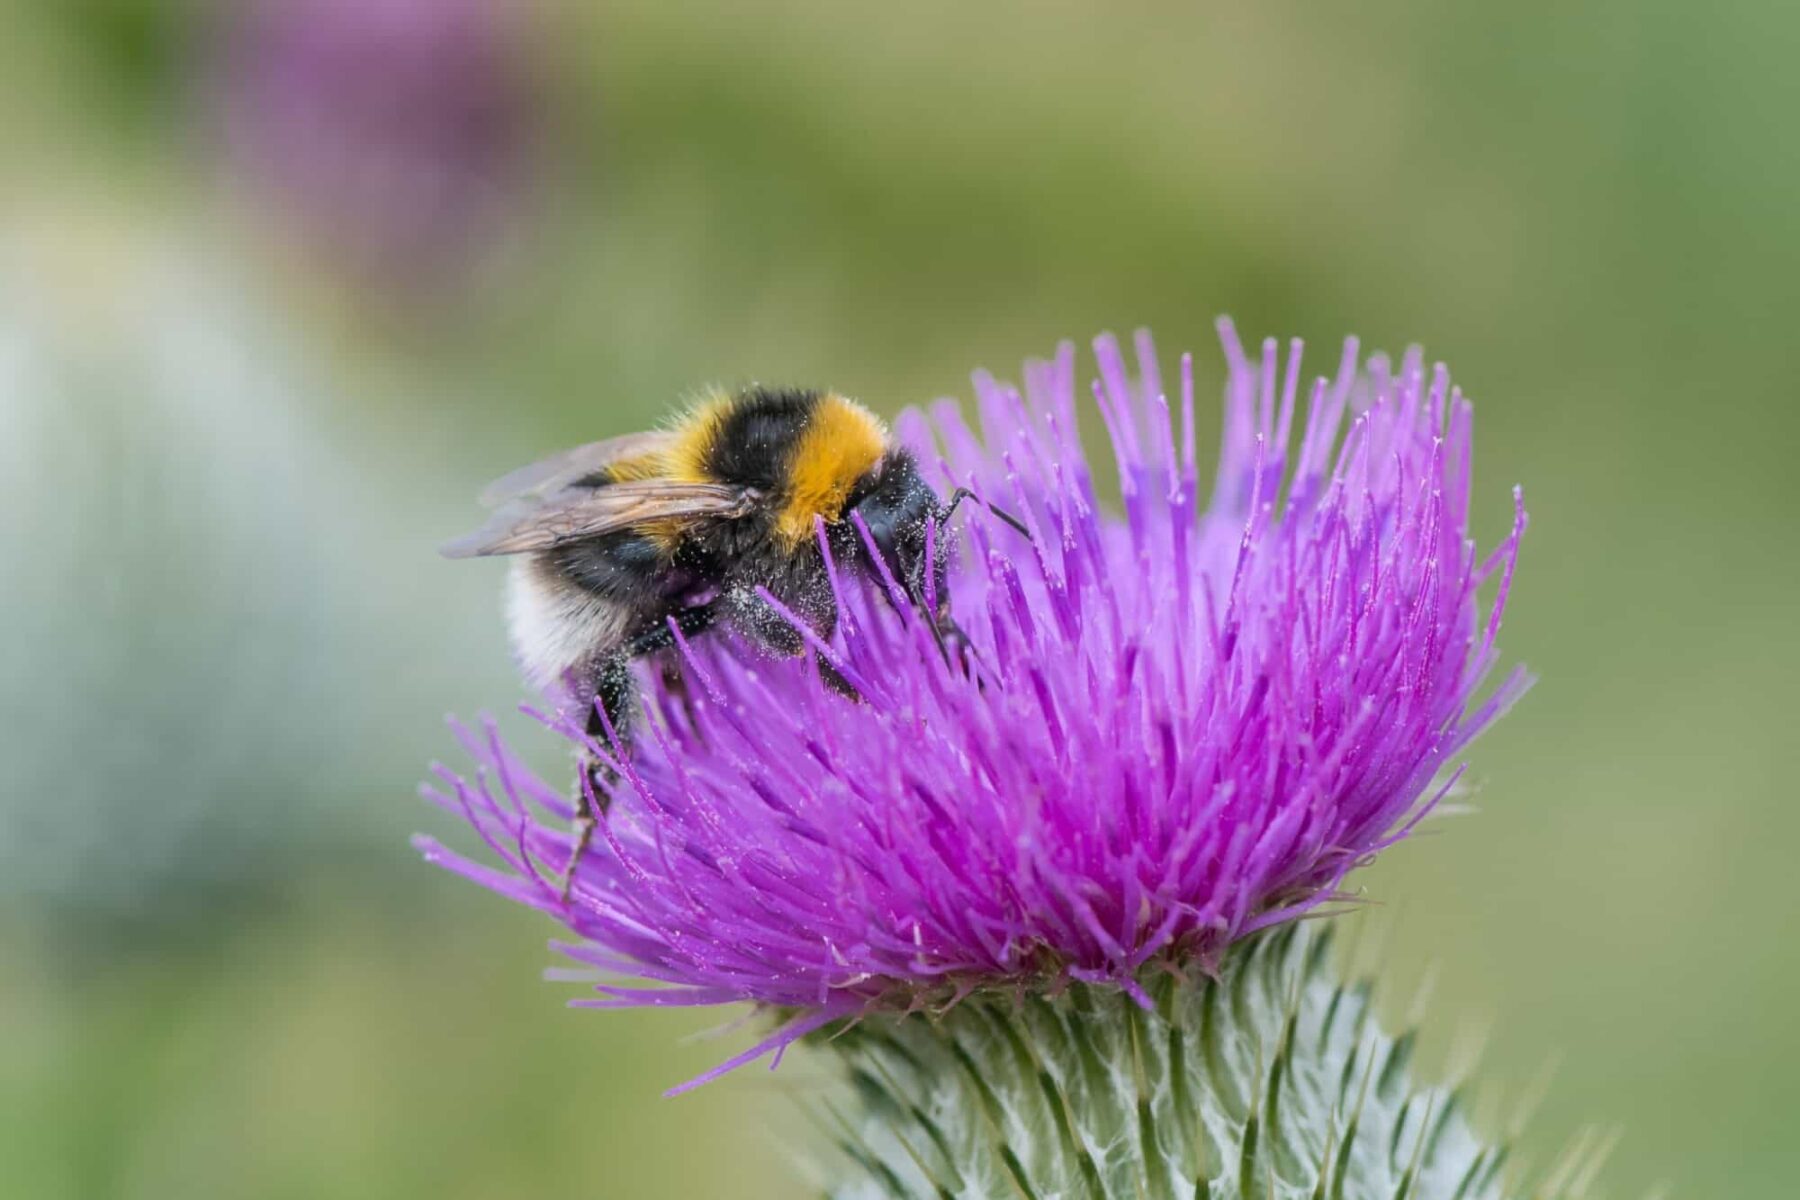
1272 1080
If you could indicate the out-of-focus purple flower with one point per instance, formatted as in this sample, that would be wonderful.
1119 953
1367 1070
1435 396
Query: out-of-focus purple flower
394 133
1183 725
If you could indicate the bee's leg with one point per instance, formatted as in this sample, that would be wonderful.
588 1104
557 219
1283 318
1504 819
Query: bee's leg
615 695
658 638
958 651
836 682
751 616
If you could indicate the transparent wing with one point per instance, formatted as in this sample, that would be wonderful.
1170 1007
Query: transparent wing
550 475
570 515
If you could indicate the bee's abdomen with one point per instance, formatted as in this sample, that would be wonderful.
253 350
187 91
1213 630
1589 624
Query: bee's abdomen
556 626
619 566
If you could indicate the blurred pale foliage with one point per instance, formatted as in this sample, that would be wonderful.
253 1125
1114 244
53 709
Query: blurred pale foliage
228 455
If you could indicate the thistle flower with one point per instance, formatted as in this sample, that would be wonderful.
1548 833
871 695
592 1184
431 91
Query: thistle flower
1178 724
394 134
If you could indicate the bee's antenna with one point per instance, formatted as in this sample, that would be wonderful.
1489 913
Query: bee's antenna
1010 520
963 493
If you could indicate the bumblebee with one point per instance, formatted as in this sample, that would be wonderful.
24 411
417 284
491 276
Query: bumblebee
620 539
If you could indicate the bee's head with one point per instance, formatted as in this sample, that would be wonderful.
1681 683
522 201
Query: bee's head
897 505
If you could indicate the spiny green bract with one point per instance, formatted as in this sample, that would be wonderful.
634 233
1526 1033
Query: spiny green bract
1274 1081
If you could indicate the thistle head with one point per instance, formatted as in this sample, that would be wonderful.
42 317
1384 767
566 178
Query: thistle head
1169 722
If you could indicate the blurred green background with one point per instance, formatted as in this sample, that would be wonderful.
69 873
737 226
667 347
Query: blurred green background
281 282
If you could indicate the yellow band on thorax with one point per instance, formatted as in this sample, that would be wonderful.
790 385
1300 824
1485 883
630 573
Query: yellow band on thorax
842 442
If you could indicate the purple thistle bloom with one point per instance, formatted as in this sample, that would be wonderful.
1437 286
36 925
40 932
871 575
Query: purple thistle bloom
1179 727
394 134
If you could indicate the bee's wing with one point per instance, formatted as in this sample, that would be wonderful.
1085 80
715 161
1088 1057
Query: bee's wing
551 475
575 513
